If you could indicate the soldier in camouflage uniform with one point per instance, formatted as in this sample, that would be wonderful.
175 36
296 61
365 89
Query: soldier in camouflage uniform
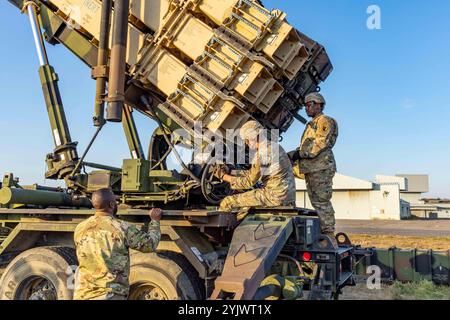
102 245
314 161
271 166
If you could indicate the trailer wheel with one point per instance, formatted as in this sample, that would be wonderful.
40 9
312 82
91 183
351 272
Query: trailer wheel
44 273
163 276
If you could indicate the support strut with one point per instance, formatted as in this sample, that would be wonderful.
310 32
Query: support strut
100 72
117 72
131 133
62 162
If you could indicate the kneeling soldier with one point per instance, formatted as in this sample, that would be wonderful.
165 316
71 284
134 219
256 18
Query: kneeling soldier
271 166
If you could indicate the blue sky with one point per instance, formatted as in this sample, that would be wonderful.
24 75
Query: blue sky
389 91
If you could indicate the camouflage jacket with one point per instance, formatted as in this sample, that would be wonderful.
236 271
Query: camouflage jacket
272 167
102 245
316 146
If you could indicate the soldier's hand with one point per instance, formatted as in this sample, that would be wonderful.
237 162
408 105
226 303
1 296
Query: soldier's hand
221 171
156 214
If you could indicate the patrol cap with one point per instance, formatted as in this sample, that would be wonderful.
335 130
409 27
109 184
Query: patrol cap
315 97
250 130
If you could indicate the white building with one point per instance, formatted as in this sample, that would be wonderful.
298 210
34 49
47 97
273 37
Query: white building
412 191
431 210
365 200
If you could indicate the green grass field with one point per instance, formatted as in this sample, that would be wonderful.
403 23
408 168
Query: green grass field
424 290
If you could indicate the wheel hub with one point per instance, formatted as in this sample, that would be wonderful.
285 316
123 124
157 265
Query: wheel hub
41 289
147 292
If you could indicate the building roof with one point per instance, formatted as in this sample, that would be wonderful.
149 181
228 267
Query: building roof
430 207
436 201
408 183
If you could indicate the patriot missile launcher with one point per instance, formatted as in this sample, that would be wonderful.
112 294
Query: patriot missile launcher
192 66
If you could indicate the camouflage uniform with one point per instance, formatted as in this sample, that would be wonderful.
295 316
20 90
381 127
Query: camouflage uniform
318 165
274 170
103 244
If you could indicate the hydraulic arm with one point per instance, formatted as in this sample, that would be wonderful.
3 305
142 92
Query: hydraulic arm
62 162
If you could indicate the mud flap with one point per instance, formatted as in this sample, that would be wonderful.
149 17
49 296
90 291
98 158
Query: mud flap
255 246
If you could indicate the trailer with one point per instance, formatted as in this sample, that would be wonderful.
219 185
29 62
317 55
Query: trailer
272 254
179 62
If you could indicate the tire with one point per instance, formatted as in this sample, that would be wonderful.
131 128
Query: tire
163 276
44 273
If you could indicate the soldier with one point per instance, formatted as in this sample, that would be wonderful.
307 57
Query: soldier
102 245
314 161
271 166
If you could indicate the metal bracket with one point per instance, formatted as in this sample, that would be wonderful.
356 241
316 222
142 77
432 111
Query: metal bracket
100 72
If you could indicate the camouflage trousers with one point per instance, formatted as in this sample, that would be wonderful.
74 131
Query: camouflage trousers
251 199
320 190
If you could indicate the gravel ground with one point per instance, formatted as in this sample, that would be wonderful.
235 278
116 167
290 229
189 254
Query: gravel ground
361 292
398 291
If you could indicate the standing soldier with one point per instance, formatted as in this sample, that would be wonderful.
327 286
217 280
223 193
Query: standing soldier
314 161
102 245
271 166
